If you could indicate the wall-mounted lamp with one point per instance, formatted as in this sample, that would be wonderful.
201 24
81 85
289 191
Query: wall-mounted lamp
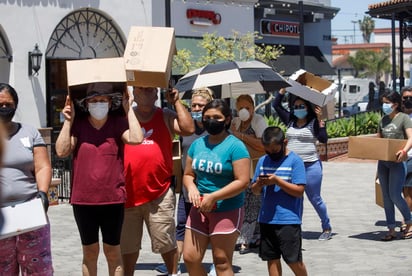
35 61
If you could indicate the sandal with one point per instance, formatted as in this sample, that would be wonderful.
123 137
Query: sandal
403 228
390 237
407 235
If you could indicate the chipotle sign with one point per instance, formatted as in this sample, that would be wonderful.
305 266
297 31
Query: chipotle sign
279 28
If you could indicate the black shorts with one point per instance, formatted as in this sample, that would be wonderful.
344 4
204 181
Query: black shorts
109 218
281 240
183 210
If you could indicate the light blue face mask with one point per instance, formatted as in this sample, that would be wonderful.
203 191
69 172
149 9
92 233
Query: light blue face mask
300 113
387 108
197 116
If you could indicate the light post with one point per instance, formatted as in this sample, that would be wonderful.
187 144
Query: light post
354 25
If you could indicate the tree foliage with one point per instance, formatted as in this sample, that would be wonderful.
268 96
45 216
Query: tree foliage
369 63
240 47
366 26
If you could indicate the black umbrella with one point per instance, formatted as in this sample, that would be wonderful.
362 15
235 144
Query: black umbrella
233 78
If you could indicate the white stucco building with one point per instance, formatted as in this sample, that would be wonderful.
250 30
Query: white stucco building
67 29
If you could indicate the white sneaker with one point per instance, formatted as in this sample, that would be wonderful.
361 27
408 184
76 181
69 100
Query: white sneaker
212 270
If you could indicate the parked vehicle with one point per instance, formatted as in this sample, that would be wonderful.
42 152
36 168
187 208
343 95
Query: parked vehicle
353 90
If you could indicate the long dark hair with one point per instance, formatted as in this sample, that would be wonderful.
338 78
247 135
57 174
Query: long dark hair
222 106
394 97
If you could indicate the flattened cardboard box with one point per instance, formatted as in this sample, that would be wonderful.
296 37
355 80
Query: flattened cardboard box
82 72
22 218
312 88
374 148
378 193
149 55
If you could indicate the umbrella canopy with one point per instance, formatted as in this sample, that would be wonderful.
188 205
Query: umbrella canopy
251 76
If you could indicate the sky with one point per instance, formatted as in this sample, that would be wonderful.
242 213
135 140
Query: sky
352 10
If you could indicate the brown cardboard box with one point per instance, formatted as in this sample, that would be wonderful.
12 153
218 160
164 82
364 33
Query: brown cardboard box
312 88
148 56
364 147
378 193
95 70
82 72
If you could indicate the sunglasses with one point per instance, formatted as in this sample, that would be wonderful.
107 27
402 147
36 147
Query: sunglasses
407 98
300 106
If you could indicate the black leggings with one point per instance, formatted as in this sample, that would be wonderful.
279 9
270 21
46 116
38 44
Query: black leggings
109 218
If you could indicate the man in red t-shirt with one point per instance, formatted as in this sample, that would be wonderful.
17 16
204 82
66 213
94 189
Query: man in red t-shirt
148 169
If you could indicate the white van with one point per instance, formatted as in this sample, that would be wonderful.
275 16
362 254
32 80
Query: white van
353 90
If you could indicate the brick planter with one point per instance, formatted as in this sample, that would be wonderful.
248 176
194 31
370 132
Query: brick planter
333 148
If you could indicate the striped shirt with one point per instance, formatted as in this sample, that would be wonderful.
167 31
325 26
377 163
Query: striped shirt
302 141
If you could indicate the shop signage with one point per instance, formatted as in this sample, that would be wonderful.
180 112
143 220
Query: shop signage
279 28
203 17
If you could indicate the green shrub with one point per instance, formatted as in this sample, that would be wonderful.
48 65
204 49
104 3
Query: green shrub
275 121
360 124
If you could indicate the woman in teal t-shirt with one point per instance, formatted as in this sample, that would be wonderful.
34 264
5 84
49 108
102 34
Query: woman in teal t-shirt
216 174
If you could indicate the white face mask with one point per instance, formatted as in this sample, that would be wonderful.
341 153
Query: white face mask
98 110
244 115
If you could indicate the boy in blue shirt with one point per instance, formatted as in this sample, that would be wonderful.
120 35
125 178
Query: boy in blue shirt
280 179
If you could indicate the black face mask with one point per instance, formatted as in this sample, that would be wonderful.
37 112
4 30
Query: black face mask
7 113
214 126
276 156
408 104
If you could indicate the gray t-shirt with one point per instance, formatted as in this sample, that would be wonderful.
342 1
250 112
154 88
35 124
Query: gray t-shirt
18 182
394 128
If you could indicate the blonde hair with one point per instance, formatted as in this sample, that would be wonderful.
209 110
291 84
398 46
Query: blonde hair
245 97
204 92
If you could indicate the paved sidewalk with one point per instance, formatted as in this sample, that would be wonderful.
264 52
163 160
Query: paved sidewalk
355 249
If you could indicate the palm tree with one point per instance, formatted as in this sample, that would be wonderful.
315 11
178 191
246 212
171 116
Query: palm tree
367 25
369 63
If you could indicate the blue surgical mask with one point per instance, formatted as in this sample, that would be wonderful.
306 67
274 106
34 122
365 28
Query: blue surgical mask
196 115
300 113
387 108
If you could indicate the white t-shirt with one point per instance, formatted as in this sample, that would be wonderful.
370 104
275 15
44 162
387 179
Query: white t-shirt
258 124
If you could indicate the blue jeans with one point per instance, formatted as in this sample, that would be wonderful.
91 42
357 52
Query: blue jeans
392 177
314 176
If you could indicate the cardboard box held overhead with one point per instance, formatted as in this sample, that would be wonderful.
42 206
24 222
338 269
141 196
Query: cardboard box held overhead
148 56
374 148
312 88
82 72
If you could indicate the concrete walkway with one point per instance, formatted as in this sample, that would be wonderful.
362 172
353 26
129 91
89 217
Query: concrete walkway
355 249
